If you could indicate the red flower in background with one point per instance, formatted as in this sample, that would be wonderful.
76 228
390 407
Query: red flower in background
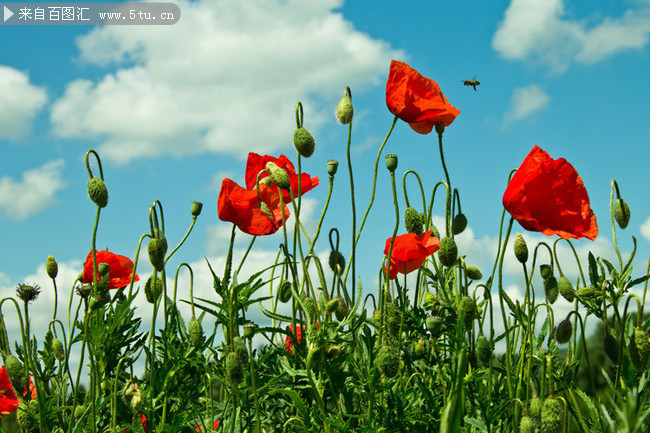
257 163
120 269
288 342
242 207
214 426
547 195
417 100
8 399
410 251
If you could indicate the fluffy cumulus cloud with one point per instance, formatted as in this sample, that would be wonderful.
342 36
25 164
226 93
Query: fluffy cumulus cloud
540 30
20 102
645 229
31 194
526 101
225 78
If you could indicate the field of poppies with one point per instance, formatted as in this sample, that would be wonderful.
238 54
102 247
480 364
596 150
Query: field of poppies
423 353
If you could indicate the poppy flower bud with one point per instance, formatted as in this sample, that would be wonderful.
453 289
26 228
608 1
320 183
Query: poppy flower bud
387 361
58 350
26 415
551 289
79 411
434 324
153 289
621 213
526 425
195 332
434 230
103 269
535 408
586 293
336 262
196 208
566 289
342 309
639 349
98 192
266 181
473 273
332 167
521 249
448 251
240 348
545 271
310 308
393 319
419 349
278 175
345 110
611 348
51 267
249 330
28 292
483 350
458 224
285 291
468 308
413 221
552 415
16 372
391 162
304 142
234 368
332 305
429 299
564 331
157 249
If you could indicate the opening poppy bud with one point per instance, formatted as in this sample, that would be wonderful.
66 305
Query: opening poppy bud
153 289
434 324
332 305
28 292
285 291
551 289
448 251
473 273
310 309
391 162
342 309
586 293
98 192
266 181
16 372
483 350
196 208
332 167
526 425
51 267
234 368
429 300
249 330
621 213
304 142
564 331
413 221
58 350
345 110
26 415
521 249
611 348
535 408
552 415
387 361
639 349
545 271
278 175
336 262
566 289
157 249
393 319
195 332
440 128
458 224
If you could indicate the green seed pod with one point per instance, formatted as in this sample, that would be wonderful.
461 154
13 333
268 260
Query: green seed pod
483 350
387 361
17 373
586 293
285 291
58 350
98 192
195 332
434 324
332 167
153 288
639 349
79 411
612 348
448 251
391 162
157 249
28 292
535 408
196 208
564 331
234 368
413 221
526 425
304 142
468 308
458 224
621 213
521 249
419 349
51 267
393 319
566 289
310 309
440 128
473 273
552 416
551 289
342 309
249 330
332 305
545 271
345 110
279 176
336 262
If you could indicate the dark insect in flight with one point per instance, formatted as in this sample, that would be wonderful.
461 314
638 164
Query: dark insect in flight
473 82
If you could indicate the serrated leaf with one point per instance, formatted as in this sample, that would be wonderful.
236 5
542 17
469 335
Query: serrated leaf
275 316
297 402
593 270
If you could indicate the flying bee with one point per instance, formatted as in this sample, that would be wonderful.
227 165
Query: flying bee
473 82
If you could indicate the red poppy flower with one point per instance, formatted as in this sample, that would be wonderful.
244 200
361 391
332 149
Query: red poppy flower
547 195
8 399
410 251
288 342
120 269
214 426
257 163
417 100
242 207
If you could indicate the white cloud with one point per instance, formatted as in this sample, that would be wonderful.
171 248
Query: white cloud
539 30
225 78
33 193
526 101
19 103
645 229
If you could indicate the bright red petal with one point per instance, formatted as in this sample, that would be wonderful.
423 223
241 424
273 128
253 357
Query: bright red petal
120 269
410 251
256 163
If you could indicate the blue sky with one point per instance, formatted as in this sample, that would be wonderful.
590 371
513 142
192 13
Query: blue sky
173 110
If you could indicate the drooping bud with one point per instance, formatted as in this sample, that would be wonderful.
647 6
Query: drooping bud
310 309
521 249
332 167
473 273
526 425
552 415
51 267
304 142
387 361
458 224
551 289
278 175
196 208
153 288
342 309
285 291
195 332
58 350
545 271
266 181
345 110
332 305
391 162
157 249
413 221
564 331
98 192
28 292
336 262
483 350
612 348
621 213
586 293
448 251
639 349
566 289
234 368
16 372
